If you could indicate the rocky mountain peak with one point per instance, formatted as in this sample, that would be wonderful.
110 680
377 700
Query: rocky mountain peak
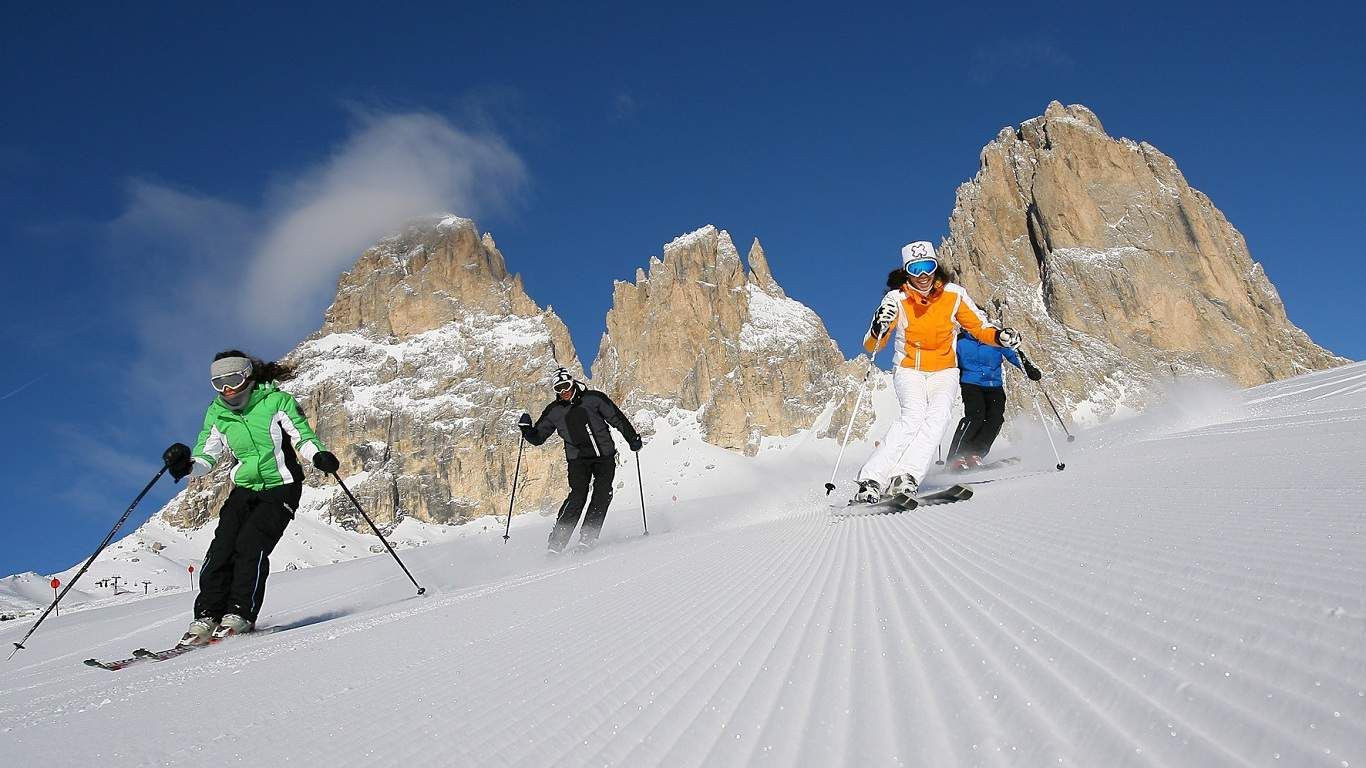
427 355
429 273
1118 271
759 274
700 333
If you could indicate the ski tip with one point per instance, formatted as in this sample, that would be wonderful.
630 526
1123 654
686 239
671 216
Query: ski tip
92 663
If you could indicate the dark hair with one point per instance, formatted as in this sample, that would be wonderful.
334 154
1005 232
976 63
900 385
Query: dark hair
261 371
899 277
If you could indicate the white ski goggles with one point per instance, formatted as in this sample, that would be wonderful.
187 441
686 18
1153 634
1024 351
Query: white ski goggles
234 381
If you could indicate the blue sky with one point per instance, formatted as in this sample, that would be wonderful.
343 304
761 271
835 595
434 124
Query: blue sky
153 164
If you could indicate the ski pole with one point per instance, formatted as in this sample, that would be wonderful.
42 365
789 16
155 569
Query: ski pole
507 533
1070 436
872 361
1044 422
420 589
20 645
939 451
641 485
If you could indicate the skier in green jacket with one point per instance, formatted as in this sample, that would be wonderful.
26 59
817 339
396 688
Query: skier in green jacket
261 426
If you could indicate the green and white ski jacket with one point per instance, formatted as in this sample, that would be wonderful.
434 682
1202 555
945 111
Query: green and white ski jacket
267 437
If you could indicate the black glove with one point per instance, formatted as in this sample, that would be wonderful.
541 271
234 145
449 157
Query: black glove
326 461
178 461
524 421
1033 373
635 443
1008 338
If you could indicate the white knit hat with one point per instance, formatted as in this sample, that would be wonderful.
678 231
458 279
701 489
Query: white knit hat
920 249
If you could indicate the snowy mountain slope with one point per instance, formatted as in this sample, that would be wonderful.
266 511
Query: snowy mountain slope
1190 591
160 553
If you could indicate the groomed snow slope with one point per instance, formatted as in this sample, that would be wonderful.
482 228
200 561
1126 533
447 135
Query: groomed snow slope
1191 591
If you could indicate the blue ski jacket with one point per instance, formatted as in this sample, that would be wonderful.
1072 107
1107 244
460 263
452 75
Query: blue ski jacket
980 363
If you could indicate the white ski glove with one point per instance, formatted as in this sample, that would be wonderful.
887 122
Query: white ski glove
886 313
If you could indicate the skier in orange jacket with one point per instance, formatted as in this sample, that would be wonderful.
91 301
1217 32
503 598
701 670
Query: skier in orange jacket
920 316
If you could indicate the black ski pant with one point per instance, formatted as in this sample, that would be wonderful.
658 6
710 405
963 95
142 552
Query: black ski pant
250 524
984 410
600 470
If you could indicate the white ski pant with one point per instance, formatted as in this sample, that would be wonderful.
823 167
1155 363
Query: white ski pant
926 400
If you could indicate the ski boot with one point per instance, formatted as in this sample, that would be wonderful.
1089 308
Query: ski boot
902 487
231 624
869 492
201 629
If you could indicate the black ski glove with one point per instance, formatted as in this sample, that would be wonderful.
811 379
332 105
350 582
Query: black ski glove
635 443
178 461
326 461
524 424
1033 373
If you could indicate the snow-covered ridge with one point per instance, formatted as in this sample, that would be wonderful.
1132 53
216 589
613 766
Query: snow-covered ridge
691 238
778 323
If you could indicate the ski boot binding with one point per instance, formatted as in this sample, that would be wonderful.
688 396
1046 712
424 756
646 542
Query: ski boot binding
201 629
869 492
231 624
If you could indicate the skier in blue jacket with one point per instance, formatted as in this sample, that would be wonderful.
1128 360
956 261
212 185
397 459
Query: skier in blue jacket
984 398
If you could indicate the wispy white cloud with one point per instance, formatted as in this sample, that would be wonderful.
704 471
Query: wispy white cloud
624 105
95 456
23 387
1013 57
206 273
394 168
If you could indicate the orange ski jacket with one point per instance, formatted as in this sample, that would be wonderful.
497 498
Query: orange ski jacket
926 328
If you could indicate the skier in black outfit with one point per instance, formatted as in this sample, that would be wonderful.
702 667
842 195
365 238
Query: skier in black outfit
581 417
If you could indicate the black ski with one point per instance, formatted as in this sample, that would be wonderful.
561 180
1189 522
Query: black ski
906 503
142 654
113 666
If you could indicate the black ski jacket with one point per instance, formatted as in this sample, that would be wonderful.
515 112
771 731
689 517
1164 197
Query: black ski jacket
582 423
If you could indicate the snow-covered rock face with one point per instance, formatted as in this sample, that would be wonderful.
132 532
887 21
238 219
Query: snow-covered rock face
702 334
429 352
1119 273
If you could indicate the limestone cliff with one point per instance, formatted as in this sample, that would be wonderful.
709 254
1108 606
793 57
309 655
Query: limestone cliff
1115 269
427 355
701 333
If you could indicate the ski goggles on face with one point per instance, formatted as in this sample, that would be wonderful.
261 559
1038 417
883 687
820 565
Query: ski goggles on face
921 267
234 381
563 386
